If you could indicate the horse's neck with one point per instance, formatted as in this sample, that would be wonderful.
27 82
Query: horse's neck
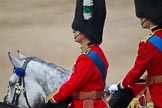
48 77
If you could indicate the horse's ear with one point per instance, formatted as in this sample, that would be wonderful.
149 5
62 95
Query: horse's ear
20 54
16 62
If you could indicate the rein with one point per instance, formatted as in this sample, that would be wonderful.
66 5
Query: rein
19 88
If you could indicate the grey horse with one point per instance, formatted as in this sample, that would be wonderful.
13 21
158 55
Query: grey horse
32 80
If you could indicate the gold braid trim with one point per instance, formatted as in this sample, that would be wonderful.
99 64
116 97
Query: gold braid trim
150 105
134 103
109 97
50 97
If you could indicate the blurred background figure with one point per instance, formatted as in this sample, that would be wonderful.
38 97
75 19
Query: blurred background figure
149 53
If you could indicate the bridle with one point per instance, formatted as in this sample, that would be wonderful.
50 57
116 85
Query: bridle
21 88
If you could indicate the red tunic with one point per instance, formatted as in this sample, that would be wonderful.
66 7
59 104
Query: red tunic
86 77
149 59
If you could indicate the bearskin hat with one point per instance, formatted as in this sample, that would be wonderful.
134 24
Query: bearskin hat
89 19
149 9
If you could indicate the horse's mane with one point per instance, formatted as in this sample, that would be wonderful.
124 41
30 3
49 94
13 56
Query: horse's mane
52 65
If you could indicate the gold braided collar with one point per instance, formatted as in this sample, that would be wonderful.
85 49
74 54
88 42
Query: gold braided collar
85 48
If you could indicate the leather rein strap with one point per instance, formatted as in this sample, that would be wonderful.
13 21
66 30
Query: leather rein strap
19 88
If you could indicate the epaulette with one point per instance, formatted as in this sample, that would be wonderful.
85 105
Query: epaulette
146 38
152 32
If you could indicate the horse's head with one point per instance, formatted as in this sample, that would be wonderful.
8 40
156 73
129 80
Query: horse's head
20 93
32 80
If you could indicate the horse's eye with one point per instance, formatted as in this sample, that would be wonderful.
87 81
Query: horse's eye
11 83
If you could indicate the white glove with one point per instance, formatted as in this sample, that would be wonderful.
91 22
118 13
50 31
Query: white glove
113 88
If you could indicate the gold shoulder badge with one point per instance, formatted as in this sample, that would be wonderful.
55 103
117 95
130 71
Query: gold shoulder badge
146 38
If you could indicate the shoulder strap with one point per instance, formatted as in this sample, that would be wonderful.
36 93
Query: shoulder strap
156 41
99 63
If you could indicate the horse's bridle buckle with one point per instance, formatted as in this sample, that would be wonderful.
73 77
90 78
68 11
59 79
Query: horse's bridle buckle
19 88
